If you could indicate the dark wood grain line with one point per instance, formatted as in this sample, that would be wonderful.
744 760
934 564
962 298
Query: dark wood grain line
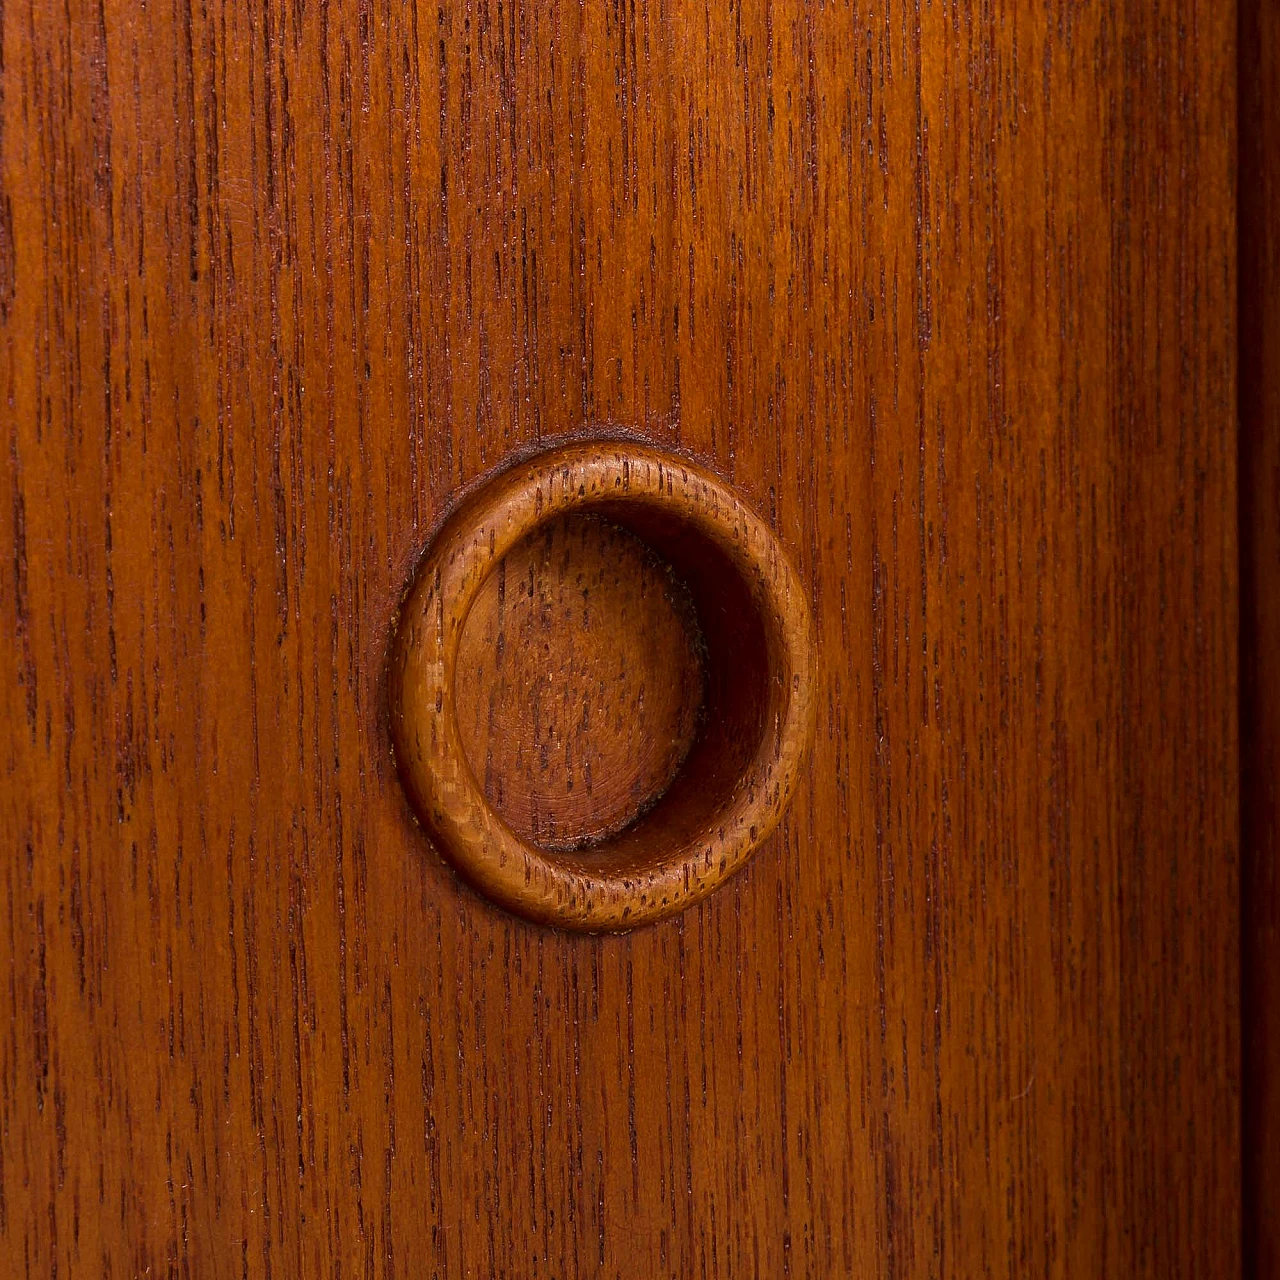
1260 627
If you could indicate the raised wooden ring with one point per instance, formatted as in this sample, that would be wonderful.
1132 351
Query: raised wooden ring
758 703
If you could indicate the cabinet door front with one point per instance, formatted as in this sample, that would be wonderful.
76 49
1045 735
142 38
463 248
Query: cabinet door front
618 629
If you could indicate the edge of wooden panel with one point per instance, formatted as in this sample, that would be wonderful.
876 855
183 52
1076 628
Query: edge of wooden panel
1259 247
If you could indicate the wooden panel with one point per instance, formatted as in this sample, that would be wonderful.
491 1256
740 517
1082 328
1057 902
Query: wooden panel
1260 624
947 292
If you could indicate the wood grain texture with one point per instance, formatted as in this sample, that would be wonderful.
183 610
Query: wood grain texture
1260 625
579 682
947 291
755 720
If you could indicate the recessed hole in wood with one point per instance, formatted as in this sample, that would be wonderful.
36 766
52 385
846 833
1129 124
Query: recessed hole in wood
601 685
579 681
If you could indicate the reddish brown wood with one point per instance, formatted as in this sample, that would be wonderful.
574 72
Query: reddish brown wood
1260 624
754 718
579 682
946 291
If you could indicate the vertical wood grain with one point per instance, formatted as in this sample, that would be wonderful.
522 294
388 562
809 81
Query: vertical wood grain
1260 626
579 682
948 292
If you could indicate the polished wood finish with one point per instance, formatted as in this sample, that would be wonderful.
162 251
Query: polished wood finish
579 682
946 292
1260 624
738 772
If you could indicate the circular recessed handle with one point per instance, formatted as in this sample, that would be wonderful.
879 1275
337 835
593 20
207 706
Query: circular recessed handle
756 718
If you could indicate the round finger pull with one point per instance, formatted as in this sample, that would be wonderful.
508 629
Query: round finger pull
601 685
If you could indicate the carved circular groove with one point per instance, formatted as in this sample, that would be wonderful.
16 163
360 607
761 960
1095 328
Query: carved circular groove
720 793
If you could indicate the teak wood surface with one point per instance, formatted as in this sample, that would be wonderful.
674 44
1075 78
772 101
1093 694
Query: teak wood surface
946 292
563 638
754 713
1259 188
